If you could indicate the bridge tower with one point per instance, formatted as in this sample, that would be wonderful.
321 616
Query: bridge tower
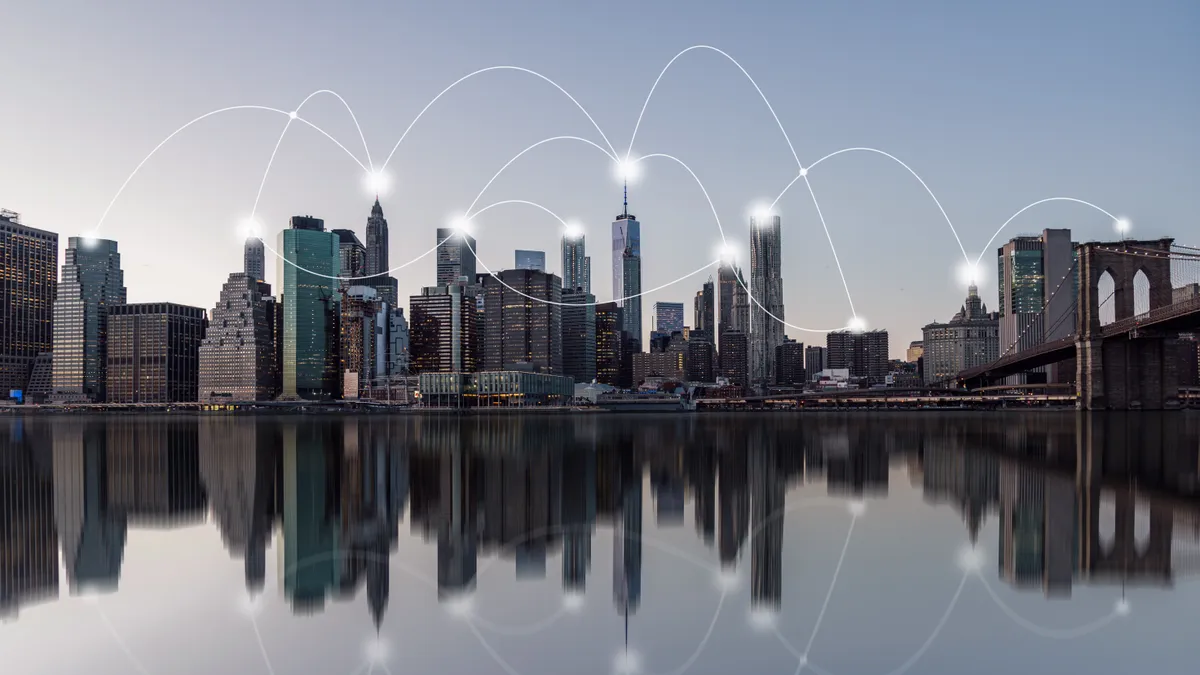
1131 369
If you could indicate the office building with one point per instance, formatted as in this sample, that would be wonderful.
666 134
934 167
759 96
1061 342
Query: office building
41 378
1032 271
254 259
28 283
668 318
309 291
238 357
734 300
376 261
700 358
766 285
666 359
358 340
522 320
789 364
92 281
815 360
579 335
398 342
531 260
703 311
971 338
627 271
916 349
352 256
577 268
609 344
514 388
734 357
455 257
864 354
154 352
442 329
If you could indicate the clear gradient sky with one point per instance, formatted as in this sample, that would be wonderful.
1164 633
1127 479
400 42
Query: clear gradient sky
995 105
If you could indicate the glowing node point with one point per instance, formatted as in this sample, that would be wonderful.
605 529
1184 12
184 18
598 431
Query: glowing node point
573 602
762 213
970 559
727 580
376 650
628 171
968 273
858 324
803 171
857 508
461 225
803 660
293 114
762 619
90 597
250 228
376 182
460 607
1121 608
1123 225
250 605
627 663
573 231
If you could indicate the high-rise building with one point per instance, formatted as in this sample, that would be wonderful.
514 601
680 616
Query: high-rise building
735 357
627 270
522 321
353 259
766 284
789 364
376 262
971 338
668 318
358 342
700 358
1032 272
734 302
238 354
815 360
28 282
398 343
609 344
455 256
92 281
577 272
531 260
579 335
154 352
704 315
254 259
864 354
309 293
442 329
916 349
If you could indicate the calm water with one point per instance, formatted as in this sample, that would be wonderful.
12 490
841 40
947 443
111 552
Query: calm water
838 544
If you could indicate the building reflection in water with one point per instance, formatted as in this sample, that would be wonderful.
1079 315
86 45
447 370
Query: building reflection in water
1096 499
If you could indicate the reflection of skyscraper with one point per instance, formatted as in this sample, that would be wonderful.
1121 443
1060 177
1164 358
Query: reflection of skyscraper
766 526
734 505
309 548
457 542
578 516
92 533
856 461
1038 542
28 539
703 473
627 543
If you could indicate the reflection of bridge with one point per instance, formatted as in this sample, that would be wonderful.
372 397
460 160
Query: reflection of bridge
1130 363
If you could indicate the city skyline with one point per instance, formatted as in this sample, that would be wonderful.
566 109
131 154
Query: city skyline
1039 128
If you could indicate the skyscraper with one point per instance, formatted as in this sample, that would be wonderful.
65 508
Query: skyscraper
353 258
734 301
1031 272
668 318
237 356
522 320
92 281
310 309
766 284
28 281
627 270
579 335
254 259
789 364
357 344
376 262
969 339
864 354
704 316
455 256
609 344
531 260
575 263
442 329
154 352
814 361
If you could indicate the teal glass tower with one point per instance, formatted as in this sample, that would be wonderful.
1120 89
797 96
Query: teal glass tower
307 280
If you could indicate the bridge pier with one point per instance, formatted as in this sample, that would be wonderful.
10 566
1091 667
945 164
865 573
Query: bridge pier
1134 373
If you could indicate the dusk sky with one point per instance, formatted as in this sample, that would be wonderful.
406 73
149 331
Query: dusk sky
995 105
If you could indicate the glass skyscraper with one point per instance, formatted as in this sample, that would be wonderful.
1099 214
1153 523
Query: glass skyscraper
1032 271
455 257
627 271
254 259
310 308
766 285
531 260
577 272
28 277
668 317
92 281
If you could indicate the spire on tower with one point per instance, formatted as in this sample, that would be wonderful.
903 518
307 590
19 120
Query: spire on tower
377 210
625 204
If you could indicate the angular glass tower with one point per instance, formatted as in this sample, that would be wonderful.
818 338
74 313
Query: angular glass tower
308 284
92 281
766 285
627 270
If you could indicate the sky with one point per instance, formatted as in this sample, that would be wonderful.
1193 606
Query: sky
993 105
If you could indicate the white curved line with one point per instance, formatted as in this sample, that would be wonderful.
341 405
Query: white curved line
739 66
723 240
908 168
491 652
829 238
936 631
832 585
361 137
261 647
137 664
262 183
1051 633
138 168
484 70
1030 206
335 141
328 276
518 156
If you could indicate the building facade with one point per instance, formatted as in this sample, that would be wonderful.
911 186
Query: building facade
789 364
577 272
864 354
735 357
28 284
522 320
154 352
609 344
1038 286
916 349
627 271
309 290
766 284
442 329
455 257
398 342
579 341
92 281
238 357
352 258
971 338
815 360
668 318
254 259
530 260
358 340
704 316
